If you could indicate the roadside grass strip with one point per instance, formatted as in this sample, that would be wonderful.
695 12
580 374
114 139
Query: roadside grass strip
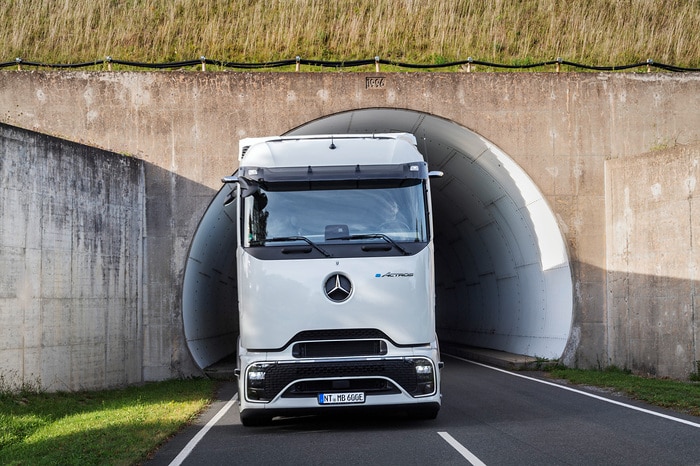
105 427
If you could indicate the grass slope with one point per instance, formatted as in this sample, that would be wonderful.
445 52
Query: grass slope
594 32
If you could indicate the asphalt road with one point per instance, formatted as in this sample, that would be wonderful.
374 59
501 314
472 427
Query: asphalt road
488 416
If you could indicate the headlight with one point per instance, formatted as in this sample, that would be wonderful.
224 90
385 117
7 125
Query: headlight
255 381
425 377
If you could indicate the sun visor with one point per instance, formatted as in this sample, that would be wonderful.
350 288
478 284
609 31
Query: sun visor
406 171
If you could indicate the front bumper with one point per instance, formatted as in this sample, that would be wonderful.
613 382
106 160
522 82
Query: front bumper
292 386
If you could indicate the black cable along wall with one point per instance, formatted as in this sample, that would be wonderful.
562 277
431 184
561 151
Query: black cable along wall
377 61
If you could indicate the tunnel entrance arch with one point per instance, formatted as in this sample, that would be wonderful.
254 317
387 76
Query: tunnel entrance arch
503 277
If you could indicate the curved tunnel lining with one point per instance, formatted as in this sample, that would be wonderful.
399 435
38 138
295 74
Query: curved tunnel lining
502 273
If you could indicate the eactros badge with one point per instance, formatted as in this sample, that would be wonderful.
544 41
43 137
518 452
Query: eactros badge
394 274
338 288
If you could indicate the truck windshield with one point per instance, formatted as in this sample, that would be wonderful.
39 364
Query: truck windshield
386 210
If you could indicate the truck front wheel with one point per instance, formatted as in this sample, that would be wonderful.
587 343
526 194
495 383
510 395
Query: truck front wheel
424 412
253 419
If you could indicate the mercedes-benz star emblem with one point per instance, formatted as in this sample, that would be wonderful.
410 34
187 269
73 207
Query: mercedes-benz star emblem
338 287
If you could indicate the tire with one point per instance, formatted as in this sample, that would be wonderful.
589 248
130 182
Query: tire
252 419
424 412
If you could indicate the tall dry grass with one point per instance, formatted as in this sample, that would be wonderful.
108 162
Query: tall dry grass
597 32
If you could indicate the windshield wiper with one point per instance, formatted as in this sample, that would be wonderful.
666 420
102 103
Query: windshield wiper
298 238
376 235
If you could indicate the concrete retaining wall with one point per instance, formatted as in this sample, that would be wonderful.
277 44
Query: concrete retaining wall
71 229
653 259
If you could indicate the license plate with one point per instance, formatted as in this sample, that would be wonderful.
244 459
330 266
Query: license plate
340 398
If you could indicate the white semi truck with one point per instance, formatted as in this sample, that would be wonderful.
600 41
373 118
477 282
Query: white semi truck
336 295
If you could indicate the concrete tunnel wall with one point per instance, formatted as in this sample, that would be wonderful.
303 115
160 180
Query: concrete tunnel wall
583 138
502 271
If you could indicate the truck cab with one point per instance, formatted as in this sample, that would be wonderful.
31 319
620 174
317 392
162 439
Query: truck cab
335 276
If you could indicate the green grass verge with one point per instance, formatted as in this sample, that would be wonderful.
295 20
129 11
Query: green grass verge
105 427
673 394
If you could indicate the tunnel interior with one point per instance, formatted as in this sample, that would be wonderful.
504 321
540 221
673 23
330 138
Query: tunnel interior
503 278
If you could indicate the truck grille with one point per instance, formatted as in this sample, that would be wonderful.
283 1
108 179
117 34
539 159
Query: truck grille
278 376
312 388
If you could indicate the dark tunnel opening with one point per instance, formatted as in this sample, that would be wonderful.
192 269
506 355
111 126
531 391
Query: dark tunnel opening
503 277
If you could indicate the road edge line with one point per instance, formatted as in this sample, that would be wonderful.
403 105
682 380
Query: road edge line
185 452
580 392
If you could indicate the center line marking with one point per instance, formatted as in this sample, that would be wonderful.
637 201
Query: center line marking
469 456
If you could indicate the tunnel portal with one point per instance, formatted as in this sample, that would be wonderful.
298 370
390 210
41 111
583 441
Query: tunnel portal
503 277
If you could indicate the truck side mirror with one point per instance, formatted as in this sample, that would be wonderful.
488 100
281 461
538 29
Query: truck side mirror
230 198
248 187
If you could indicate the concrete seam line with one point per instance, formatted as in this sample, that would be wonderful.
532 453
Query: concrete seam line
200 435
469 456
597 397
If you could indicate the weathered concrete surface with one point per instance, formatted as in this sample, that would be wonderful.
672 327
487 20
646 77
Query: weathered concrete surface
560 128
71 227
653 259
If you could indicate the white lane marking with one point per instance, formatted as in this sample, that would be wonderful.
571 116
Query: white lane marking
563 387
469 456
200 435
